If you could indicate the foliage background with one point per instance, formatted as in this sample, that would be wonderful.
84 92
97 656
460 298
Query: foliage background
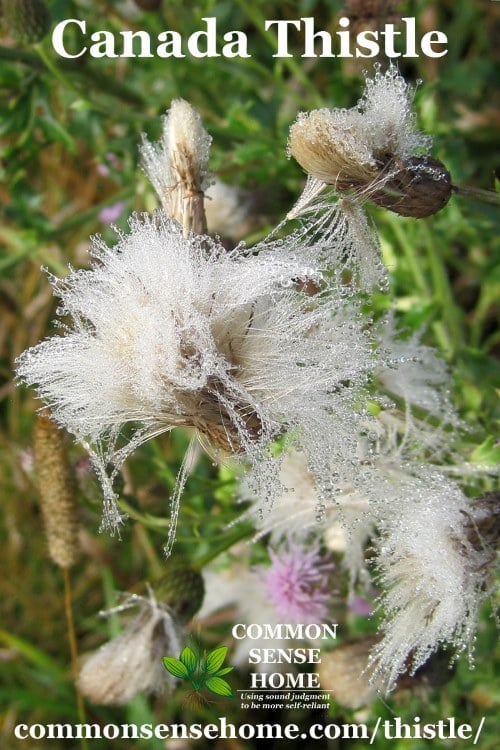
59 121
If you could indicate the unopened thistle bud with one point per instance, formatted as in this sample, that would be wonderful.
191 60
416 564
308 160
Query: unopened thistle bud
373 150
25 21
181 588
56 490
177 166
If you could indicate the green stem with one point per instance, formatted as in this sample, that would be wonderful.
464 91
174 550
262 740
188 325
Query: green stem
411 258
257 18
240 533
68 607
89 215
486 196
443 293
61 71
56 72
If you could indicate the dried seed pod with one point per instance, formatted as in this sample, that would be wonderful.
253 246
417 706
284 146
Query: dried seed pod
421 187
56 488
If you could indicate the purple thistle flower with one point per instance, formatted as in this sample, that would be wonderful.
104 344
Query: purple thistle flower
297 584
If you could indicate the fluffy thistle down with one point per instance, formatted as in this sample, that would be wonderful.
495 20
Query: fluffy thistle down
169 331
177 166
432 551
388 441
373 149
433 577
431 547
131 663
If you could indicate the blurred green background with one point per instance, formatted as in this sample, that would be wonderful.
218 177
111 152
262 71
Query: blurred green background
69 150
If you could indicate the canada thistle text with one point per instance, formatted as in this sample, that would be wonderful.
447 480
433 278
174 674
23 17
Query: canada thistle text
70 39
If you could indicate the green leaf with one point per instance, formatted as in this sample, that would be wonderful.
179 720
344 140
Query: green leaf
219 686
189 659
175 667
55 132
487 453
215 659
33 654
226 670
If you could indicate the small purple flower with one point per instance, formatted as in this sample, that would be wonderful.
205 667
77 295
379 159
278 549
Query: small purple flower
103 167
360 606
109 214
297 584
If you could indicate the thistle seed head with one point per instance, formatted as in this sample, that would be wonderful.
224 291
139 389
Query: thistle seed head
373 150
131 663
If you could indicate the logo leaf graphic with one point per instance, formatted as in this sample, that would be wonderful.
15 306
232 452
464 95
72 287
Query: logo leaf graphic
175 667
201 670
226 670
219 686
189 659
215 660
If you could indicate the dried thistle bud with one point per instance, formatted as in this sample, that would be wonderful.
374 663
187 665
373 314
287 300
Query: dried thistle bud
421 188
371 150
181 589
343 672
56 489
177 166
131 662
26 21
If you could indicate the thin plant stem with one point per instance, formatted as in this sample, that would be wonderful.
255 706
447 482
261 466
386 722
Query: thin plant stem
231 539
68 608
78 219
415 268
100 82
443 292
293 66
422 285
479 194
56 72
